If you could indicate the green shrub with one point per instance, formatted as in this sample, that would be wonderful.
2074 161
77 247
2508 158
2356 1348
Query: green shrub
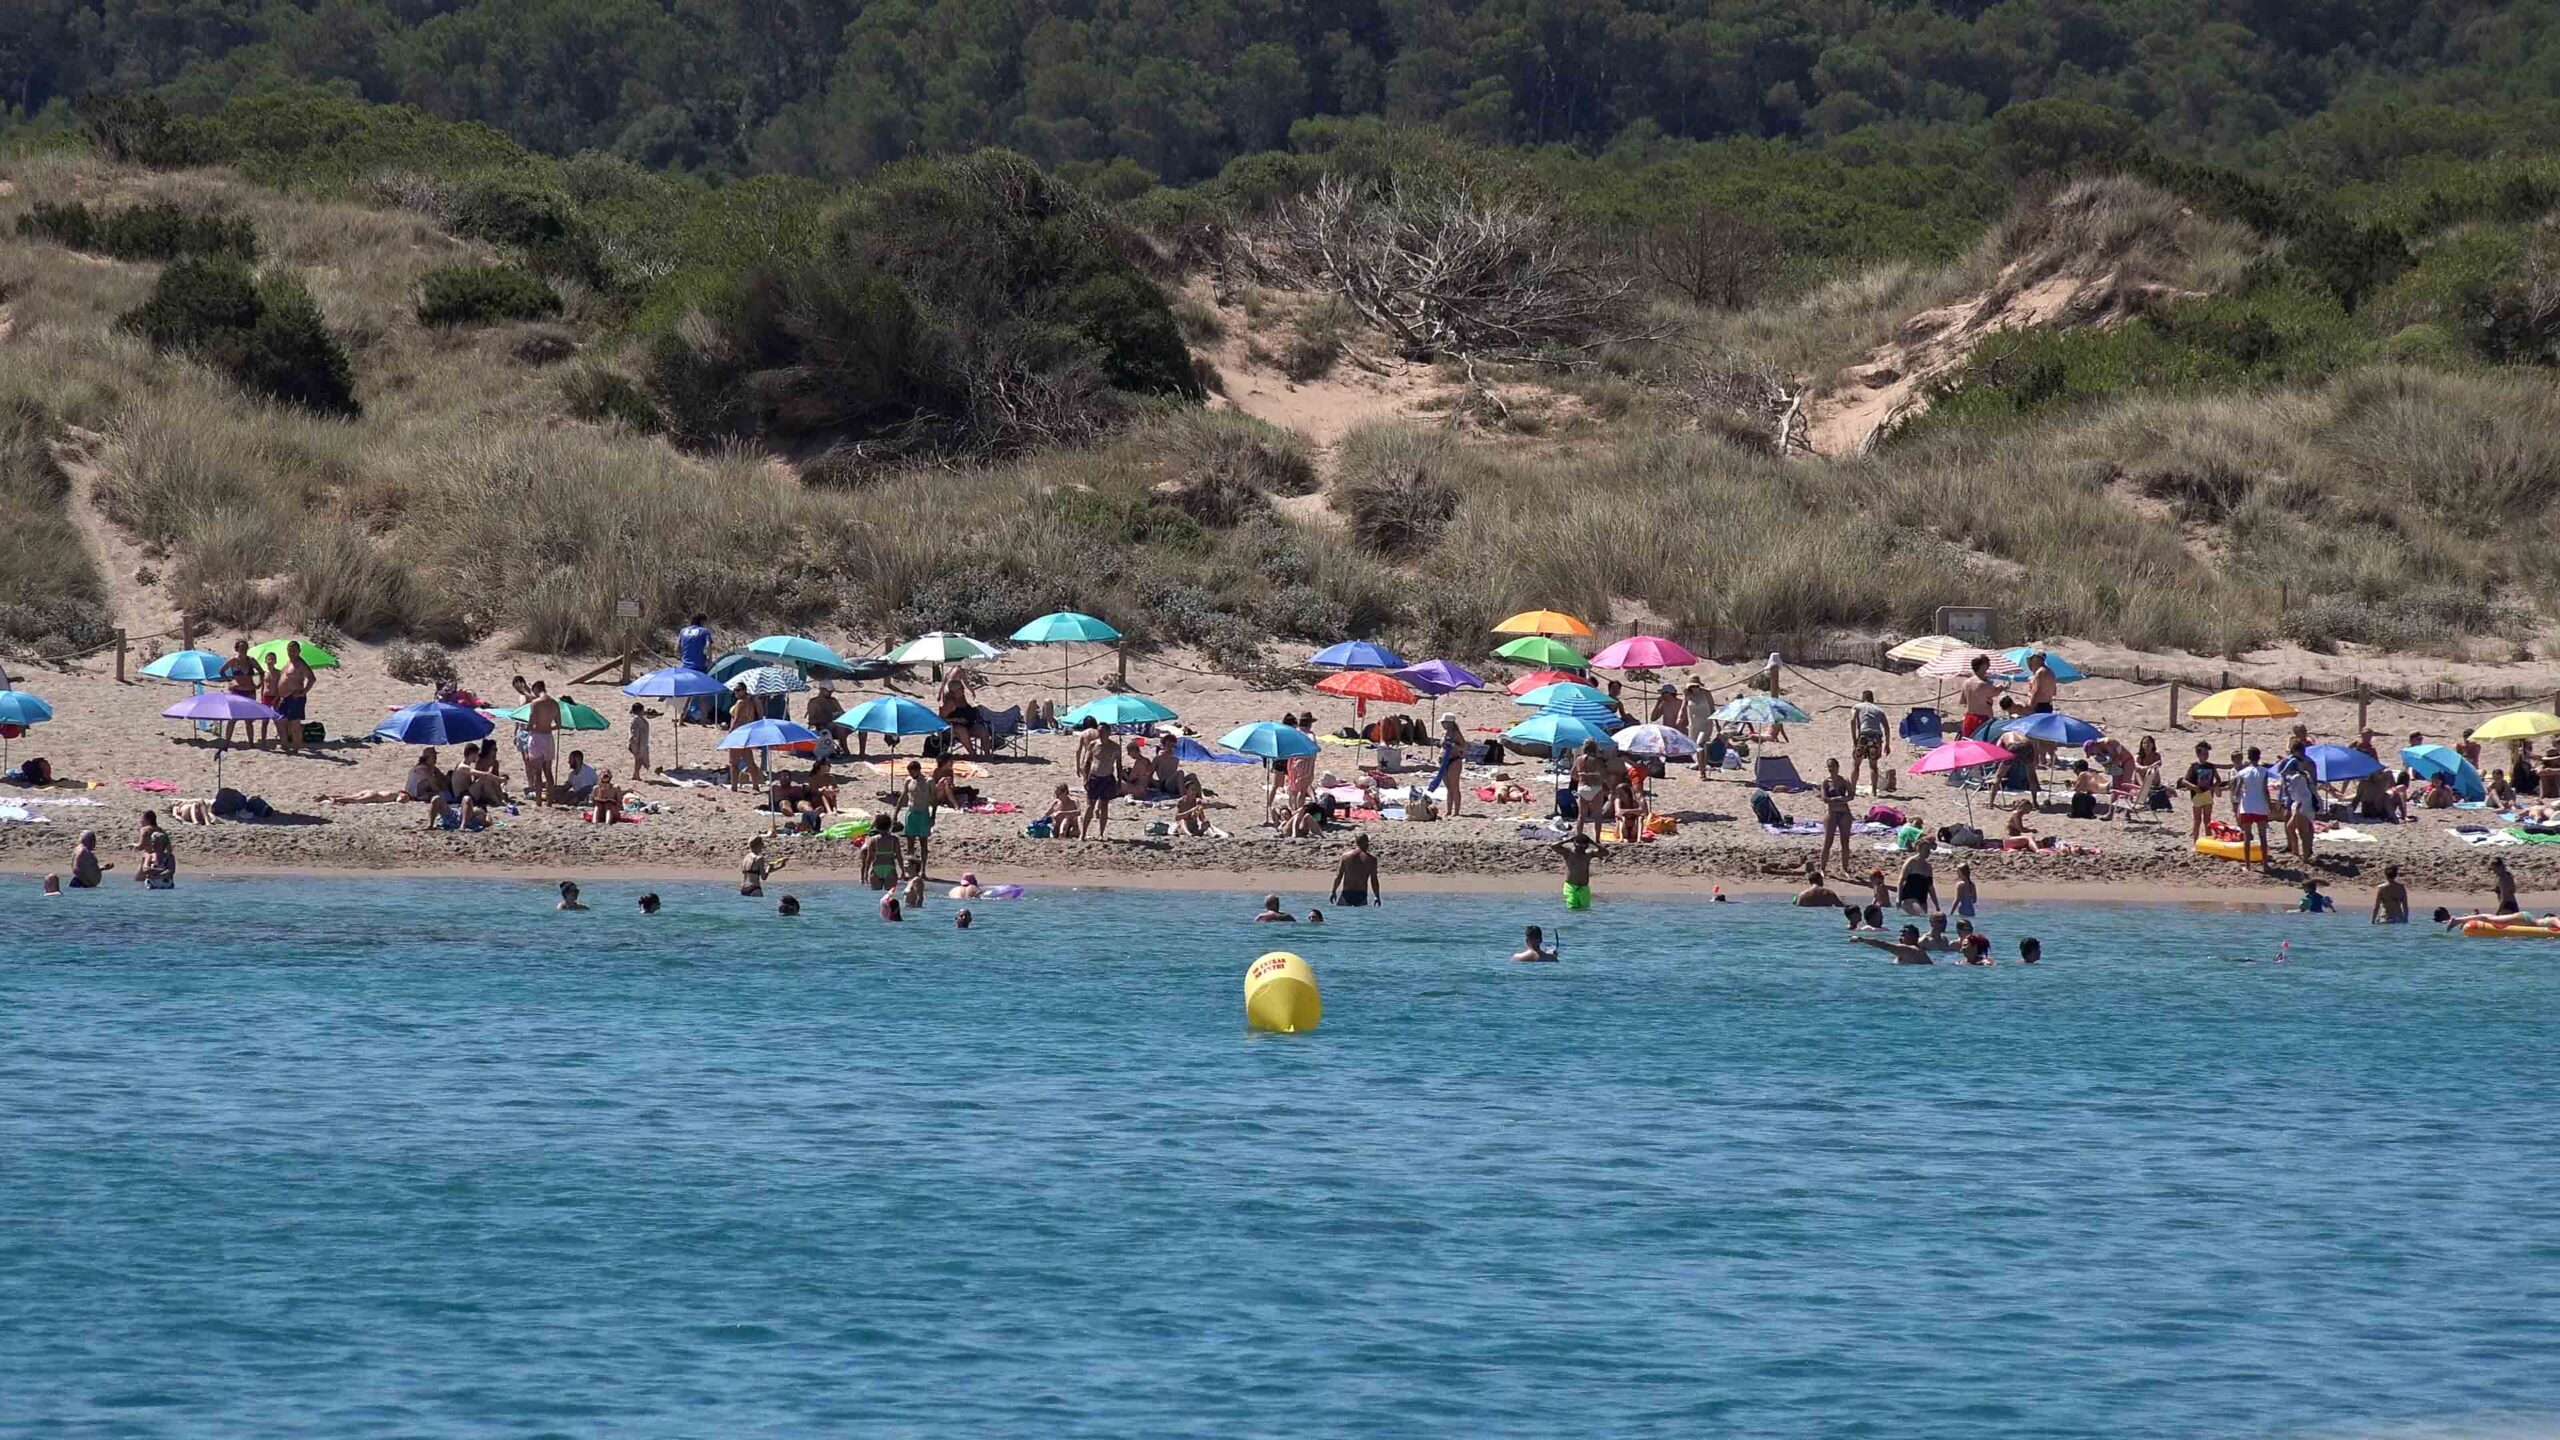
53 602
155 230
603 394
539 223
427 665
480 294
1395 487
267 334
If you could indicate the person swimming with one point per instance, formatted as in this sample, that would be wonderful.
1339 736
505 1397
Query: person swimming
1906 950
1977 950
2030 951
889 907
649 903
1536 950
1314 916
790 906
1272 914
961 920
569 896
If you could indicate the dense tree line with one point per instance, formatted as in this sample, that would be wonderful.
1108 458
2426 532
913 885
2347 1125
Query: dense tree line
1114 92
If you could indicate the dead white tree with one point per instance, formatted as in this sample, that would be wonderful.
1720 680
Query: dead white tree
1454 272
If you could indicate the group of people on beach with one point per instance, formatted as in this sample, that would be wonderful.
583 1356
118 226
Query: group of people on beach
157 869
282 683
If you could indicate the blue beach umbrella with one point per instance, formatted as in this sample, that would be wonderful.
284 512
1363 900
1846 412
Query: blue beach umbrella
2054 729
1559 733
187 667
1760 710
1118 710
676 682
2332 763
2064 672
892 715
1563 692
796 650
1064 627
433 722
764 734
2434 760
1269 740
1186 748
21 709
1356 655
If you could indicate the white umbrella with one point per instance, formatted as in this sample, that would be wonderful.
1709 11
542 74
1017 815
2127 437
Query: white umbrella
1949 664
1659 740
942 647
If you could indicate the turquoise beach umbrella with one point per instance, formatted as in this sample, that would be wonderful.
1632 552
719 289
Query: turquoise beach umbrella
1559 732
1563 692
1269 740
1761 710
1063 627
1118 710
892 715
21 709
2064 672
187 667
765 734
796 650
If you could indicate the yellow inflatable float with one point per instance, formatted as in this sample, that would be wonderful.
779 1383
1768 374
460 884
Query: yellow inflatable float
2240 850
1280 995
2488 930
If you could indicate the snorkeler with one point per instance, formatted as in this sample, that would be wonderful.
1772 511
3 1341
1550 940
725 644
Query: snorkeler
1536 951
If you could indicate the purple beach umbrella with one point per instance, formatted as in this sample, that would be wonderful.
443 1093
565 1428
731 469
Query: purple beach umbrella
1438 677
220 705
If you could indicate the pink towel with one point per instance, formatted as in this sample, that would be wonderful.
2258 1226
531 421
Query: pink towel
154 787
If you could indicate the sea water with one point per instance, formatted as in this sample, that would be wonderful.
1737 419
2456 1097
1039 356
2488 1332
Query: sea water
423 1157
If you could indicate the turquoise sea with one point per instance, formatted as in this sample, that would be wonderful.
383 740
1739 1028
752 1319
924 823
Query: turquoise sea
424 1158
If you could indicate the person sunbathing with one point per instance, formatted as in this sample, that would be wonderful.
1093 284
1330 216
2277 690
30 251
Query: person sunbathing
607 800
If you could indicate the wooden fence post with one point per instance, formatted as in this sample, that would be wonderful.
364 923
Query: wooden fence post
186 632
2364 703
120 654
2173 705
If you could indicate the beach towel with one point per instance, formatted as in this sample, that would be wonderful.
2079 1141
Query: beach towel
1799 827
153 787
2523 836
1543 830
2349 835
994 807
63 800
2482 838
21 815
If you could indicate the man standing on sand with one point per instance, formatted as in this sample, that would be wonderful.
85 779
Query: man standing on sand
293 697
693 645
1979 694
1098 761
1355 876
542 741
2042 684
1870 740
2249 791
1577 851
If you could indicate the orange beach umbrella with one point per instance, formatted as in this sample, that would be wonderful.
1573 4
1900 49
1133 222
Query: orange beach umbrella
1363 686
1543 622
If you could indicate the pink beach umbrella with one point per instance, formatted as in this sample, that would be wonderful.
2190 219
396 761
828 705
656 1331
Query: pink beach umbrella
1948 664
1643 652
1960 755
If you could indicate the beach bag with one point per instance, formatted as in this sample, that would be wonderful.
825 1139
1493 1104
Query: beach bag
227 801
1885 815
2084 806
314 733
35 770
2159 798
1038 829
1764 808
1661 825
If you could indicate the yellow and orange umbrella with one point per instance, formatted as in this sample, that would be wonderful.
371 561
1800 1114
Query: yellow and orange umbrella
1543 622
2243 703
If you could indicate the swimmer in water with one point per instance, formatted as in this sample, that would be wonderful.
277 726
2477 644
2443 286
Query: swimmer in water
889 908
1272 914
790 905
53 884
1966 895
1850 914
2030 950
1977 950
2390 899
569 896
961 920
1314 916
1875 917
1938 939
2511 919
649 903
967 889
1905 951
1537 951
2313 902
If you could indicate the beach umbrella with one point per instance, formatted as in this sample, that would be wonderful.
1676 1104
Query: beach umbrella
1543 622
1186 748
795 650
2054 729
1660 740
19 710
1921 649
2434 760
768 734
675 682
1561 692
1558 733
433 722
188 667
892 715
1269 740
1356 655
1948 664
220 705
2242 703
1364 686
1064 627
2332 763
770 680
2518 725
1643 652
1961 755
1118 710
1438 677
312 654
1761 710
1539 650
1536 678
573 716
2064 672
942 647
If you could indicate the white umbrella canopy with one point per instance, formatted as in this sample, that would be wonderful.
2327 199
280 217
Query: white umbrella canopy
1949 664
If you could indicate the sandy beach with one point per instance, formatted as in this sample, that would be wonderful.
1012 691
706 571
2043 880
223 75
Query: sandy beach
108 734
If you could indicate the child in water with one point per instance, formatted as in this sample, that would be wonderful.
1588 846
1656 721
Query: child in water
1966 895
1535 951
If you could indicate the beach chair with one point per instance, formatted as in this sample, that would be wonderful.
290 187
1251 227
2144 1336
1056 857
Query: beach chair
1777 775
1923 728
2126 800
1003 727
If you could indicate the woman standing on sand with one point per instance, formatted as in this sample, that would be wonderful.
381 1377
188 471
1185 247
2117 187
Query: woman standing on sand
1453 755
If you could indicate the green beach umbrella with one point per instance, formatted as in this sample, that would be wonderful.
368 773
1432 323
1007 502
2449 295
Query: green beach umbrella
573 716
1539 650
312 654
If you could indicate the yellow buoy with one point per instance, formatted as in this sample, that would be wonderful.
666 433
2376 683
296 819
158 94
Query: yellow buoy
1280 994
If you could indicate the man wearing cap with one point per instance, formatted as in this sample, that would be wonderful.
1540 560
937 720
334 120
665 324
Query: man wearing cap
1667 709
